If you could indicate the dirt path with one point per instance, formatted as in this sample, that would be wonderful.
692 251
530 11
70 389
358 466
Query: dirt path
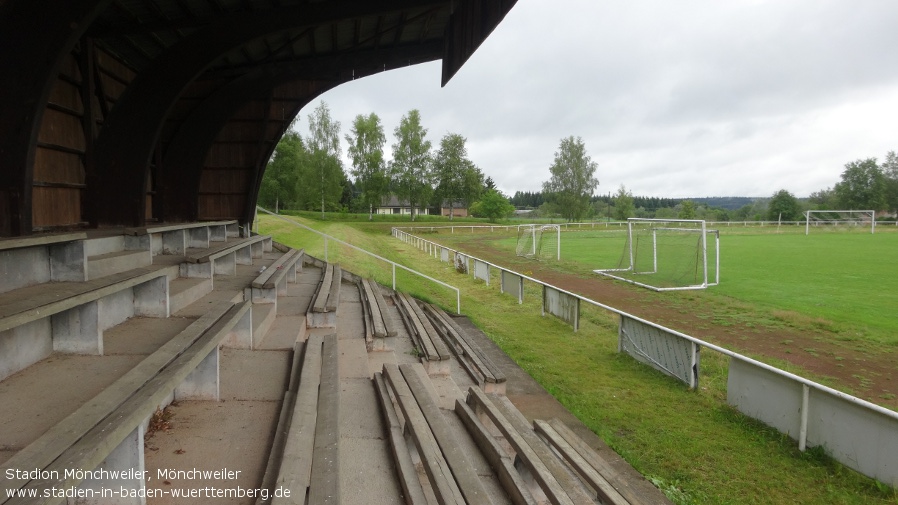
832 359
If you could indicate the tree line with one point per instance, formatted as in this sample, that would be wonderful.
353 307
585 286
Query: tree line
306 173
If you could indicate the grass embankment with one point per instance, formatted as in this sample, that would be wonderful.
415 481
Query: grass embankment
691 444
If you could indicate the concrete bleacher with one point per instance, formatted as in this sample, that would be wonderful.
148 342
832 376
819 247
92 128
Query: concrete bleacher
291 372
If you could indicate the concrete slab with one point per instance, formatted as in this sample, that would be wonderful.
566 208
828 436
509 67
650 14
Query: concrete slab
360 415
353 358
5 455
263 318
183 291
369 479
115 262
284 332
202 306
45 393
377 360
293 305
254 375
232 435
142 335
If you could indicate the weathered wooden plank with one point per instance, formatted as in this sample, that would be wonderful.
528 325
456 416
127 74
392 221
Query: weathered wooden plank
65 433
485 366
147 230
333 296
468 481
320 303
272 275
324 487
607 472
435 465
501 463
296 466
30 303
405 467
102 439
377 316
555 491
39 240
206 255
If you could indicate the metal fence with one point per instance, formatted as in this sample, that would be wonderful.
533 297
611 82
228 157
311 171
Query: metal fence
393 264
853 431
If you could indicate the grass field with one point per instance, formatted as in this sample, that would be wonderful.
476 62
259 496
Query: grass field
692 445
845 279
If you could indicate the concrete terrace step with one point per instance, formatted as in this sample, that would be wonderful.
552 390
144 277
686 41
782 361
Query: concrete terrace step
184 291
116 262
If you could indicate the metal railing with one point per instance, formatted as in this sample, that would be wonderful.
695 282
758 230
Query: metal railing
394 265
858 433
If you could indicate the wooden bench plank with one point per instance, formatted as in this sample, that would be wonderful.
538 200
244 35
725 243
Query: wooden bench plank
272 275
296 466
555 491
333 296
377 317
605 492
501 463
65 433
40 240
324 487
405 467
484 365
90 451
30 303
207 255
435 465
161 228
320 303
462 470
431 344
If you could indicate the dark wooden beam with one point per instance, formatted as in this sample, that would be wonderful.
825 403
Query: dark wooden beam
36 35
130 133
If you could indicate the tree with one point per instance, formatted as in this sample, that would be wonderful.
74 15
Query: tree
492 205
457 178
783 206
824 199
687 210
890 171
489 183
862 187
322 179
410 170
623 204
366 150
278 188
573 182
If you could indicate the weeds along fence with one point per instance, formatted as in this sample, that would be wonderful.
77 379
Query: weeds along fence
859 434
327 239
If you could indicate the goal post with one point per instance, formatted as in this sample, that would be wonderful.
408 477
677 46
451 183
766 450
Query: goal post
668 254
832 219
539 240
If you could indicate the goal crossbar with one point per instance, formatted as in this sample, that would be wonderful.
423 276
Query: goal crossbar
870 214
630 253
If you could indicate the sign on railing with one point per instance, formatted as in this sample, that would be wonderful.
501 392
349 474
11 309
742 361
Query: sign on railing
561 305
659 349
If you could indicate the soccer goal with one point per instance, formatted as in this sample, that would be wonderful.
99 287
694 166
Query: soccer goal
539 241
668 254
840 220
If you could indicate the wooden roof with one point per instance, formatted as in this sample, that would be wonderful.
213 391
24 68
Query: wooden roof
129 111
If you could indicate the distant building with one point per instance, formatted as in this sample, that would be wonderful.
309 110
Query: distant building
392 205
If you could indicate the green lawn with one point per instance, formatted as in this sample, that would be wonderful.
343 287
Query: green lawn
690 443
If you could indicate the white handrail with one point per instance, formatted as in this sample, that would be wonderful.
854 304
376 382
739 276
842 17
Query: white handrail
393 263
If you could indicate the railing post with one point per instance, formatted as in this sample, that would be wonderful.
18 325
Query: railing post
325 250
394 276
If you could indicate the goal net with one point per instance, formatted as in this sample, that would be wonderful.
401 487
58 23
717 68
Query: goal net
666 255
539 241
840 220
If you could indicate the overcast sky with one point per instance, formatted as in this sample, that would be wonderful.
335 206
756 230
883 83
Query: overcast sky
672 99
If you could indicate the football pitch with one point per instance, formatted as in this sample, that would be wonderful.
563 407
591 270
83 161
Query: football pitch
847 279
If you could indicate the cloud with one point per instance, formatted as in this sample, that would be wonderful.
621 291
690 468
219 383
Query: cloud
690 98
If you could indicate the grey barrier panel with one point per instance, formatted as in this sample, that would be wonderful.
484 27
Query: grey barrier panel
482 271
461 262
562 306
766 396
857 437
444 255
661 350
513 284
